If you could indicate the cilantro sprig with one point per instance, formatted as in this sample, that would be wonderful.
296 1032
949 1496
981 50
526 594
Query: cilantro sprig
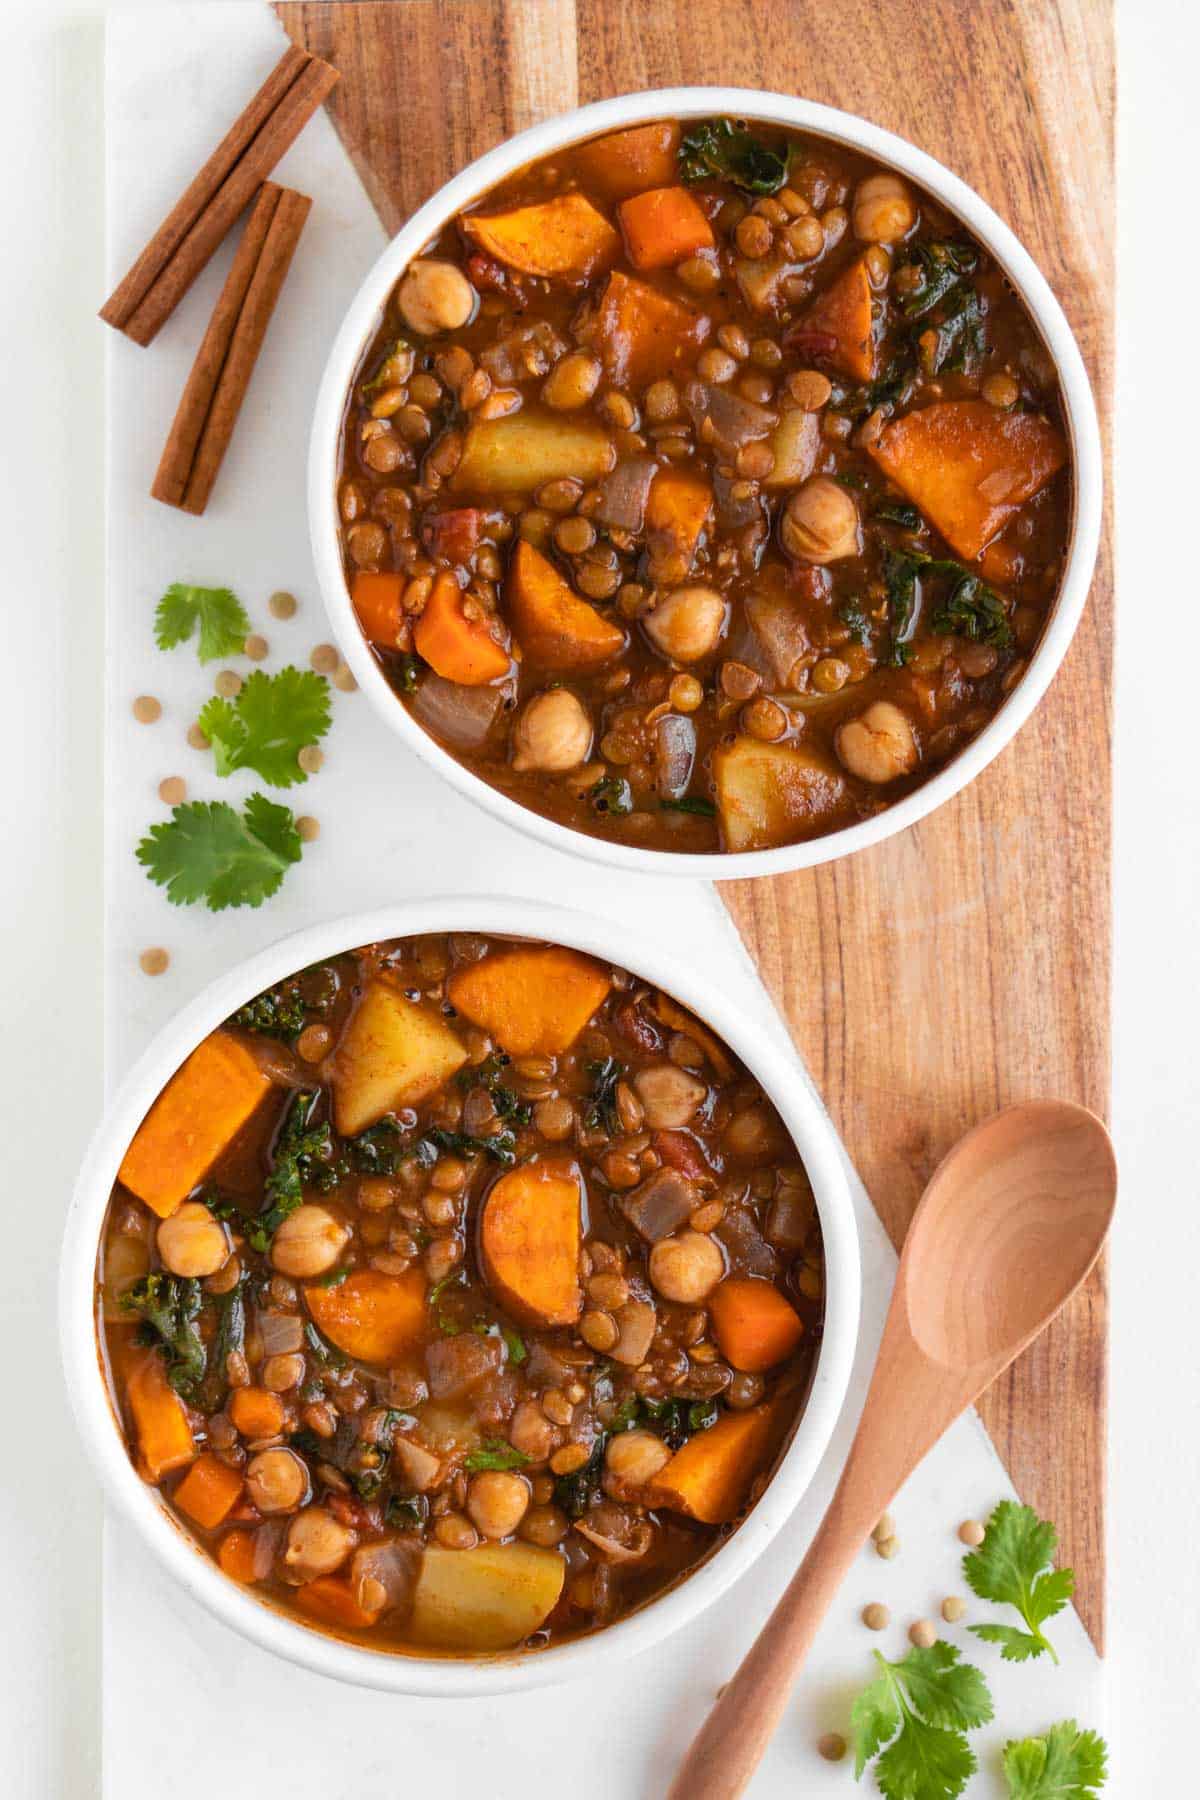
494 1453
1014 1566
218 612
265 728
913 1718
1065 1764
207 851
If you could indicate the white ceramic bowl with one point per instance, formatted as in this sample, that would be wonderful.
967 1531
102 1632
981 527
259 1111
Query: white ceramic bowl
362 321
140 1505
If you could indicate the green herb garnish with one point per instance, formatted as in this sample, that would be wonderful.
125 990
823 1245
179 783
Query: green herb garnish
303 1155
914 1717
494 1453
612 794
272 719
406 1513
283 1011
899 512
851 613
393 371
219 613
601 1111
207 851
724 150
1065 1764
690 803
169 1306
941 267
1014 1566
973 611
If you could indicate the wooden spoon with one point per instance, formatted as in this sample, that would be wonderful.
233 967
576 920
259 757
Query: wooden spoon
1008 1228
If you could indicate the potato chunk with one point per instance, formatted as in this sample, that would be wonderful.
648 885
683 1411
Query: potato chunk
770 794
529 1235
515 455
557 630
969 466
393 1053
534 999
566 237
485 1599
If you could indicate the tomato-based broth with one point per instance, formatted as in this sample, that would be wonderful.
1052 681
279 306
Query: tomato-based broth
459 1294
704 488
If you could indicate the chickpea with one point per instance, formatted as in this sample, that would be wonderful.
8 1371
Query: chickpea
192 1243
572 382
309 1242
553 733
497 1502
820 522
317 1543
688 624
634 1457
879 744
884 210
435 296
277 1481
687 1267
670 1096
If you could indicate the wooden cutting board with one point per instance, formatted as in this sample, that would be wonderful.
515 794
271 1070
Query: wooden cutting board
965 963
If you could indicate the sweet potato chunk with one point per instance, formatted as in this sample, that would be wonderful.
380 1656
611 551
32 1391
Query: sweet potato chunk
375 596
677 510
375 1318
534 999
566 237
394 1052
771 794
517 454
969 466
557 630
331 1600
529 1235
844 311
662 226
209 1492
753 1324
710 1477
485 1599
458 647
625 162
199 1112
160 1423
643 335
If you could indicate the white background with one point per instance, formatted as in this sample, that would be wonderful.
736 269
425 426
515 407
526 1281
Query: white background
51 525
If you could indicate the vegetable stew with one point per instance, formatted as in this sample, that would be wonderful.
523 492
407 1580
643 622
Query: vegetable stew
704 488
458 1295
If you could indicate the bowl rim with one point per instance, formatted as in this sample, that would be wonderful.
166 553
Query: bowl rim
844 128
782 1077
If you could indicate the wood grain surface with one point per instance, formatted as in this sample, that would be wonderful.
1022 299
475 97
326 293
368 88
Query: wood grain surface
964 963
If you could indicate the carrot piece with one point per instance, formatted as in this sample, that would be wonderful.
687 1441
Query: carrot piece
160 1423
643 335
565 237
556 628
844 311
625 162
331 1600
255 1412
373 1317
460 648
202 1107
529 1237
662 226
394 1052
534 1000
710 1477
208 1492
969 466
753 1324
236 1556
375 596
677 510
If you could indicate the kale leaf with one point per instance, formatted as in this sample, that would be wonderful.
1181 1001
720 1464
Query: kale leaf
723 149
601 1111
169 1306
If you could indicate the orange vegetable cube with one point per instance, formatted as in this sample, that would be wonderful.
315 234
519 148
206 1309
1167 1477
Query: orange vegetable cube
534 1000
678 508
255 1412
844 311
753 1323
208 1492
199 1112
459 647
662 226
375 1318
557 630
160 1421
642 335
969 466
625 162
566 237
331 1600
710 1477
375 596
236 1556
529 1237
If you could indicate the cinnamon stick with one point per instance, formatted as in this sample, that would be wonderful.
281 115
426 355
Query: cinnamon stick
213 395
200 220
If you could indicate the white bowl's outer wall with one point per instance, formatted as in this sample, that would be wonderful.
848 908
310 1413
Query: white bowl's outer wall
139 1504
805 115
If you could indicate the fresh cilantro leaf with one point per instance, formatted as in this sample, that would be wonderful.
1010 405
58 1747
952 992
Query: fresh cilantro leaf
914 1717
457 1278
494 1453
1013 1566
1066 1764
169 1306
219 613
206 851
514 1345
723 149
270 722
